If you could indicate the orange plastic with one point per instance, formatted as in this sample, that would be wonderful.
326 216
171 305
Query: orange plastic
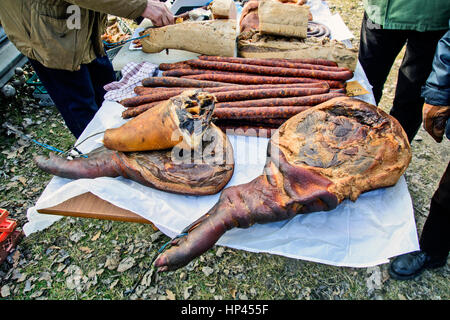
3 214
8 225
3 236
8 242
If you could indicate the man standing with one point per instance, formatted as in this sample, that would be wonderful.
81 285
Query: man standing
435 237
387 26
62 39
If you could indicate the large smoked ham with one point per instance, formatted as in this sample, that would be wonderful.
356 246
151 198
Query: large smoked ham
328 153
250 17
181 119
180 150
207 174
252 43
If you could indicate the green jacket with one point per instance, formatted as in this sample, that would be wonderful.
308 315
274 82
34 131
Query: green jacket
415 15
50 31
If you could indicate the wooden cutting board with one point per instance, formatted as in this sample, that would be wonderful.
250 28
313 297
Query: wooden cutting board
88 205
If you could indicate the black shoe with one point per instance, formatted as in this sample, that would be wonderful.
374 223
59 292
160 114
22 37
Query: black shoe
410 265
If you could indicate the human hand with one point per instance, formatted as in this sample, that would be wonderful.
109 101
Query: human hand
158 13
435 119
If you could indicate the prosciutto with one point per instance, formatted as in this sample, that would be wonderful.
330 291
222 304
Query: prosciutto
331 152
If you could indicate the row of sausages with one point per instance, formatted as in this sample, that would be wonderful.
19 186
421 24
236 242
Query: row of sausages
251 93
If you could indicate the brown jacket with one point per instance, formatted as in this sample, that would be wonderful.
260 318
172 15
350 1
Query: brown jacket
48 30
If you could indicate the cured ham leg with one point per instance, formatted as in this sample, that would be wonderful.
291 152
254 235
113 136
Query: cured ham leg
328 153
172 147
175 170
182 118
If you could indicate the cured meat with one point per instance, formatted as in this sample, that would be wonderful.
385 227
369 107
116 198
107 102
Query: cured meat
211 37
178 82
135 111
301 101
258 113
190 72
255 79
242 95
157 90
250 92
272 71
172 147
311 100
249 20
284 63
202 171
316 159
173 65
182 118
252 44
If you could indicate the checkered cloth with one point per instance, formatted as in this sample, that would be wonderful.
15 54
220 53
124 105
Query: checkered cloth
132 75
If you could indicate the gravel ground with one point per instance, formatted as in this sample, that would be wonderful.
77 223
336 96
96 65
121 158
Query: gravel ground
92 259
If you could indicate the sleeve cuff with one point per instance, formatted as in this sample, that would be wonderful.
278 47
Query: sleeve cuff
436 96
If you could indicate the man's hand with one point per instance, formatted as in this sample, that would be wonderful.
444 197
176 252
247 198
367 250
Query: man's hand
158 13
435 119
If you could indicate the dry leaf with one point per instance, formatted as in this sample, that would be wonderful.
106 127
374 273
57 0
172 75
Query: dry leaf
86 249
401 297
45 276
10 155
207 270
147 279
74 278
112 262
170 295
126 264
23 180
187 292
113 284
12 185
20 149
5 291
16 258
96 236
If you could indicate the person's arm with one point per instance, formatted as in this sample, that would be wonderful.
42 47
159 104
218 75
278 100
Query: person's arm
436 92
158 13
154 10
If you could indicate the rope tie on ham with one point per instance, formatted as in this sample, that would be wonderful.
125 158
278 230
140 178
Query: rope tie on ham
164 246
68 153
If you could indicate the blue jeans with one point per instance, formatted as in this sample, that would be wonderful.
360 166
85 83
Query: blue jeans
77 94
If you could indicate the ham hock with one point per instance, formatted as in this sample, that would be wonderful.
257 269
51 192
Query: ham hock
172 147
316 159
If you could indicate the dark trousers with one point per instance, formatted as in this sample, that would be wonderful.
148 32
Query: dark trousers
435 237
377 53
77 94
